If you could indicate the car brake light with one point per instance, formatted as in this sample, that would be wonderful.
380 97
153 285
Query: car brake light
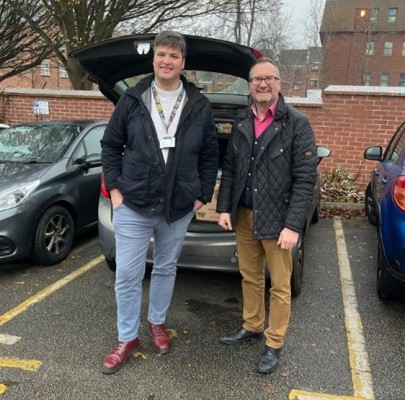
399 192
257 53
103 189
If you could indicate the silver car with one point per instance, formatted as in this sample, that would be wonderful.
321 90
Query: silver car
221 69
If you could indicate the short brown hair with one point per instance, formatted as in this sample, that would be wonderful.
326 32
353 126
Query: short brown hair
263 60
171 39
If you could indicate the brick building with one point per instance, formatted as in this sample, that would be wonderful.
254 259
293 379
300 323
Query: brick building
50 74
363 43
299 69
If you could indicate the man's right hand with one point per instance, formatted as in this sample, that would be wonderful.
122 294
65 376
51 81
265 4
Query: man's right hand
116 198
225 221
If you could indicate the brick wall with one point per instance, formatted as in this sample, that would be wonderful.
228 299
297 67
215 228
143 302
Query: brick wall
347 119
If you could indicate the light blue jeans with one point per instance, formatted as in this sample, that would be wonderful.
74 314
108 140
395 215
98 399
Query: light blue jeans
133 232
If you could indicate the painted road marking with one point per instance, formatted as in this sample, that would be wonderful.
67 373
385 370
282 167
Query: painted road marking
33 365
359 364
27 365
9 339
8 316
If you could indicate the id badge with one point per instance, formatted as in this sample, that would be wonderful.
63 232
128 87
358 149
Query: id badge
167 141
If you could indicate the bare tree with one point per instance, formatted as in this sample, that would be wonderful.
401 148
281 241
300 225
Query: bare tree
239 20
88 21
20 47
313 24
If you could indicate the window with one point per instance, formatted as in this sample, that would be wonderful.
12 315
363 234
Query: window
297 86
402 80
315 68
91 143
388 48
393 150
370 49
374 14
403 49
384 78
313 83
367 79
392 14
62 72
45 68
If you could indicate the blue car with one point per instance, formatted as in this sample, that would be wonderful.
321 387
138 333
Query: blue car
385 208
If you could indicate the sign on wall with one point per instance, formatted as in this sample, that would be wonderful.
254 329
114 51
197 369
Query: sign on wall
41 107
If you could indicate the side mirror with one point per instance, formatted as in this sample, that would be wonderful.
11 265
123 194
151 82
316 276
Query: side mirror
373 153
322 151
92 160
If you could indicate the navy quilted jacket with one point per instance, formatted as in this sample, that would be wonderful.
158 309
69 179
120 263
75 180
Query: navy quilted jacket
133 162
283 176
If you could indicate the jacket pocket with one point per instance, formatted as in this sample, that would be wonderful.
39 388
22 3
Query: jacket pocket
186 190
135 187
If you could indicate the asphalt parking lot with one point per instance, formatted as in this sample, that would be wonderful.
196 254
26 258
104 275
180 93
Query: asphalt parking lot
57 323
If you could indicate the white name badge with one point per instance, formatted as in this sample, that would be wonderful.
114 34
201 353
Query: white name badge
167 141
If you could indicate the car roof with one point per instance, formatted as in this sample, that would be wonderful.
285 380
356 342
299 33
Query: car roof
62 122
112 60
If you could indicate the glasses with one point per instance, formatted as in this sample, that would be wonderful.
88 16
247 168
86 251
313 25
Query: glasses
270 80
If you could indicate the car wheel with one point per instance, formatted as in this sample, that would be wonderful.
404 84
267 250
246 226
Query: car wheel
111 264
369 205
298 267
53 237
387 286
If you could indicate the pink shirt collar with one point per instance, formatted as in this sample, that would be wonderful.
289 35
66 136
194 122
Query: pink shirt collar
262 125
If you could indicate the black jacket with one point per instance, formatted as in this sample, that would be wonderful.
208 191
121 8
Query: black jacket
133 162
284 172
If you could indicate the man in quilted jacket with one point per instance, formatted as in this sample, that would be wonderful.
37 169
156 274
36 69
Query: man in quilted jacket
267 183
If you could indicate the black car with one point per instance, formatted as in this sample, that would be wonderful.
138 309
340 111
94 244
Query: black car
49 187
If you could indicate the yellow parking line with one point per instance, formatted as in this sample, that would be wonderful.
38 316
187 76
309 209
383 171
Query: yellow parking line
358 357
6 317
302 395
27 365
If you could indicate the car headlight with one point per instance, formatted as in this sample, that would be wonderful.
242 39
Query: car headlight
16 195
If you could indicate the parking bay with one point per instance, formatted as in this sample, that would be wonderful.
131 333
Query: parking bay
342 340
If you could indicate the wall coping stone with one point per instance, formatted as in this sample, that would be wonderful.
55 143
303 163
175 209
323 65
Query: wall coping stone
365 90
54 92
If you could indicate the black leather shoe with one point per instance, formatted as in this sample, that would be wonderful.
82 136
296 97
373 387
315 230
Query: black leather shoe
269 360
239 336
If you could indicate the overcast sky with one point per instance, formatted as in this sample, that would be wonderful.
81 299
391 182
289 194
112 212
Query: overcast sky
300 13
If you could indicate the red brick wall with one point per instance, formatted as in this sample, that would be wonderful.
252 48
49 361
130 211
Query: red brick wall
17 105
347 120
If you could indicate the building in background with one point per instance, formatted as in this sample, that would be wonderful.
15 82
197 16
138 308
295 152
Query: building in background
299 69
50 75
363 43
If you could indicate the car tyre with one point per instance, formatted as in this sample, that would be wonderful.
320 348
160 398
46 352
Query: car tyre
369 205
298 267
387 286
53 236
315 215
111 264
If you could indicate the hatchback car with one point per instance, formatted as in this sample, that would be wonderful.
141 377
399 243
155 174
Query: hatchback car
49 187
385 208
221 70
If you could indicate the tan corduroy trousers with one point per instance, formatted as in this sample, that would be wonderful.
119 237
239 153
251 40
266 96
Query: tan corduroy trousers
253 255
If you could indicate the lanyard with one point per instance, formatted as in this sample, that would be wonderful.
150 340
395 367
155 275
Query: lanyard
160 108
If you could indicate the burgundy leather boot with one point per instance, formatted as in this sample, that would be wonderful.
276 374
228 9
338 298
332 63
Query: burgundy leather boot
160 338
115 360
